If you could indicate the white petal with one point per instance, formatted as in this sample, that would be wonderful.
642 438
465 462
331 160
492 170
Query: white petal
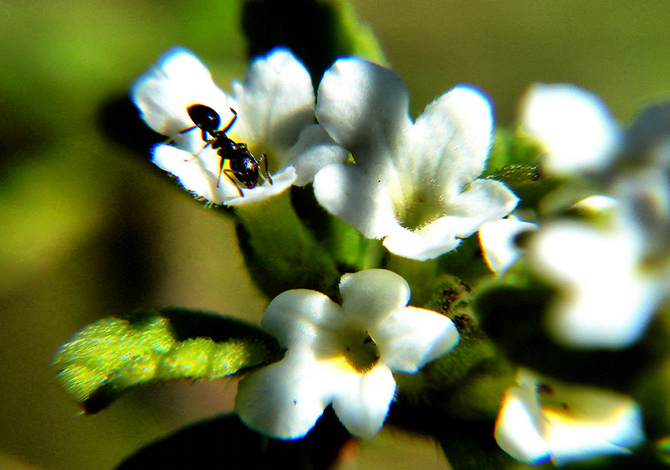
542 417
297 317
497 241
284 400
585 422
429 242
573 125
606 301
281 181
450 141
363 106
362 407
346 191
609 315
484 200
178 81
275 102
410 337
370 296
199 176
192 174
597 204
617 429
314 151
516 430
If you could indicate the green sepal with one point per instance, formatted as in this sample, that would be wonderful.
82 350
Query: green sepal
118 354
466 261
456 398
527 182
467 383
511 149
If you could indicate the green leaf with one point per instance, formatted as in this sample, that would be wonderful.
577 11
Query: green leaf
225 442
118 354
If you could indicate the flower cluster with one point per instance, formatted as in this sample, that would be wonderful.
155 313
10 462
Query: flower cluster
612 275
581 221
414 185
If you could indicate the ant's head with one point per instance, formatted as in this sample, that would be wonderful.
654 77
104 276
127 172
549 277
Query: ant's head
204 117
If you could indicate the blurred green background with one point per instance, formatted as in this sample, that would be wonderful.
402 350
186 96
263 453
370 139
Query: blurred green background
90 229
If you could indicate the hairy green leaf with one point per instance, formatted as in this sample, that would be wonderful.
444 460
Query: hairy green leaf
117 354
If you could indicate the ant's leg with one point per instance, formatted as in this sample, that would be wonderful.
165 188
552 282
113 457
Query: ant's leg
231 123
184 131
232 180
198 154
222 162
264 160
189 129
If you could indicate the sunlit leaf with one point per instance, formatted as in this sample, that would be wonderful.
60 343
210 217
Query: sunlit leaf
117 354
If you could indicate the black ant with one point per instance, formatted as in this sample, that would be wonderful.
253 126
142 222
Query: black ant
244 167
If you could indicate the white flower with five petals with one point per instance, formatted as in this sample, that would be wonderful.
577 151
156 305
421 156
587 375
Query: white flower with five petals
275 108
543 419
414 184
342 356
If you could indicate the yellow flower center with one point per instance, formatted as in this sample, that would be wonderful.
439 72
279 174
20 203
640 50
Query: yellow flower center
359 351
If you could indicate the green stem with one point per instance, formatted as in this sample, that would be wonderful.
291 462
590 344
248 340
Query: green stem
280 252
351 249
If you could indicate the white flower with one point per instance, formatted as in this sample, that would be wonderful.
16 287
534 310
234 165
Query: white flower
542 419
606 298
342 356
414 184
497 241
573 126
275 108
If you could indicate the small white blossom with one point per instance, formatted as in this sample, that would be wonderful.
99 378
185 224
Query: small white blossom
342 356
542 419
573 126
275 107
606 298
414 184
